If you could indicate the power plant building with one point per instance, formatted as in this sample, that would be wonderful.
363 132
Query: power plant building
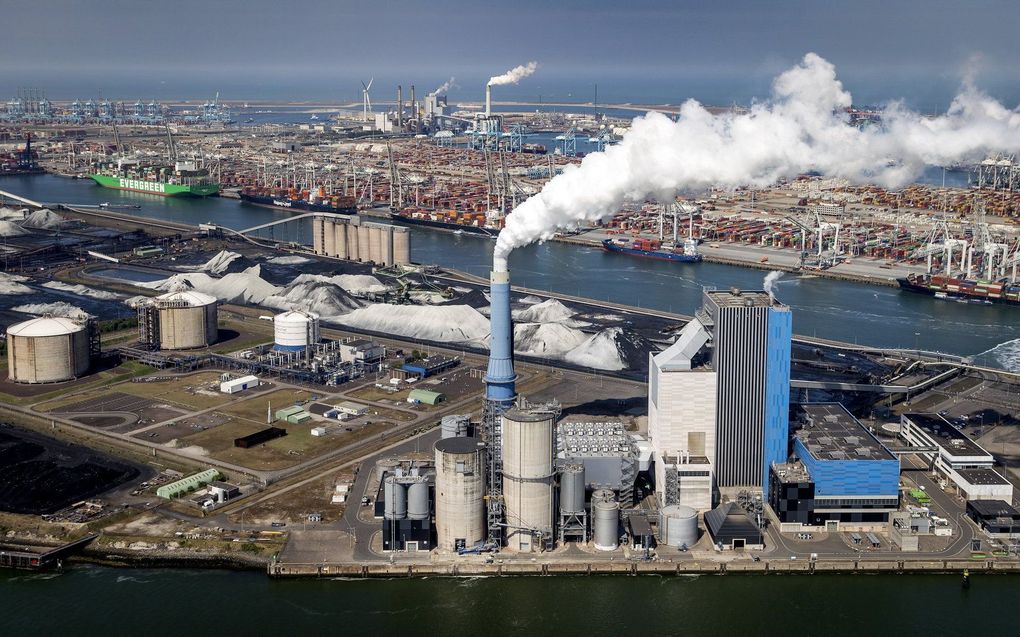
51 349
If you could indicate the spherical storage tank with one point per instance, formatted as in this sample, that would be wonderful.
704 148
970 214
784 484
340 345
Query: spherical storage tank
605 511
295 330
48 350
678 526
460 493
187 319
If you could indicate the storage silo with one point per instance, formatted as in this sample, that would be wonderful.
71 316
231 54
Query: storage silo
353 250
387 465
401 245
678 526
49 349
375 237
528 477
605 512
187 319
317 227
295 331
341 239
418 499
395 496
386 246
363 247
572 489
454 426
328 237
460 493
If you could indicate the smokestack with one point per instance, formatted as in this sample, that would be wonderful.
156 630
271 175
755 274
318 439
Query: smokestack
488 100
500 378
414 104
400 107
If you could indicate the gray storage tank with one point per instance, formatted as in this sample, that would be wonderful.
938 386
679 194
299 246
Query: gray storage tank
605 511
418 499
454 426
572 489
395 507
460 493
678 526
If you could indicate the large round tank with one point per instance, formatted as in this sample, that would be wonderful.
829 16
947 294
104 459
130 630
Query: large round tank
527 476
295 330
454 426
386 246
460 493
678 526
48 350
605 513
363 247
375 237
572 489
395 496
401 245
353 251
187 319
384 466
329 237
418 499
341 239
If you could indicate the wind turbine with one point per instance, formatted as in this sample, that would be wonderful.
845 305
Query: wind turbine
366 100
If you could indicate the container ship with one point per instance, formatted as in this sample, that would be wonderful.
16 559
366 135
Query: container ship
963 290
488 224
655 249
315 200
184 178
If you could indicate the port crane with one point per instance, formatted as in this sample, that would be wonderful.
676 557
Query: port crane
569 142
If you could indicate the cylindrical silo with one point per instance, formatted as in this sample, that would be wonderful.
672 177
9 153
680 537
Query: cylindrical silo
353 250
460 493
605 513
317 235
527 477
454 426
572 489
387 465
395 496
328 237
295 330
678 526
363 243
187 319
418 499
401 245
341 239
48 350
375 237
386 246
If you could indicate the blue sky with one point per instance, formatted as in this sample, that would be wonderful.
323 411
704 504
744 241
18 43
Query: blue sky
635 51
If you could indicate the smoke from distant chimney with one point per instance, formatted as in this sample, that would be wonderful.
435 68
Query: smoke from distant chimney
514 75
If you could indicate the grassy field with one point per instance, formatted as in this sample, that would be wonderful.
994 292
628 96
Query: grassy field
254 409
194 392
67 393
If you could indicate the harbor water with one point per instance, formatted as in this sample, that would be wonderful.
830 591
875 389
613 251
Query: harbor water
873 315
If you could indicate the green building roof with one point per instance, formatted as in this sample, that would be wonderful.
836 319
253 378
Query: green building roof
426 396
175 489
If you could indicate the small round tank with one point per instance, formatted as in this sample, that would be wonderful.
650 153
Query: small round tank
605 511
678 526
572 489
418 500
454 426
395 494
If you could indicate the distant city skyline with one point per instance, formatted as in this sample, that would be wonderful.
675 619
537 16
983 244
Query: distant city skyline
637 51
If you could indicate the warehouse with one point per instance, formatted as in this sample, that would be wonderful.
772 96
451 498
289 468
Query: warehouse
430 366
236 385
188 484
997 518
259 437
733 528
425 396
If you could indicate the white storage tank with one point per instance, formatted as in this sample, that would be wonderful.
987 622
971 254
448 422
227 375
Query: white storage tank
187 319
295 330
605 512
460 493
363 247
454 426
375 239
386 246
328 237
353 249
395 496
48 349
678 526
401 245
341 239
528 477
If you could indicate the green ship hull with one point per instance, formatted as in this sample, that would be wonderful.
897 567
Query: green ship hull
155 187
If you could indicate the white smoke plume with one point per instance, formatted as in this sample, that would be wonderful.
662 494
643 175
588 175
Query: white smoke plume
514 75
445 86
802 127
769 284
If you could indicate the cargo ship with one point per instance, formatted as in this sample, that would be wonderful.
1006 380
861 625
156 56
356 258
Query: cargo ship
184 178
963 290
655 249
315 200
487 224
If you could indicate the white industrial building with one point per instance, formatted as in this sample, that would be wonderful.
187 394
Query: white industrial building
361 351
681 420
235 385
961 460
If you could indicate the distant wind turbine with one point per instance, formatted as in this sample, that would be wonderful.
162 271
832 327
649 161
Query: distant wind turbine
366 100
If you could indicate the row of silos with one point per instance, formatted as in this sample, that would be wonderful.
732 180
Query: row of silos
50 349
347 237
406 497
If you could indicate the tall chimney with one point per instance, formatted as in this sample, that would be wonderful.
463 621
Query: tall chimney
488 100
500 378
400 107
414 104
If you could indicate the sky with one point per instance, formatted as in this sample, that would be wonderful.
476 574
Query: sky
636 51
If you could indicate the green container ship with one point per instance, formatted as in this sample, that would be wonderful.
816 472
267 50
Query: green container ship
182 179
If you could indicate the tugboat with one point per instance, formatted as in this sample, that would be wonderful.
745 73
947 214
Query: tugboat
966 578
